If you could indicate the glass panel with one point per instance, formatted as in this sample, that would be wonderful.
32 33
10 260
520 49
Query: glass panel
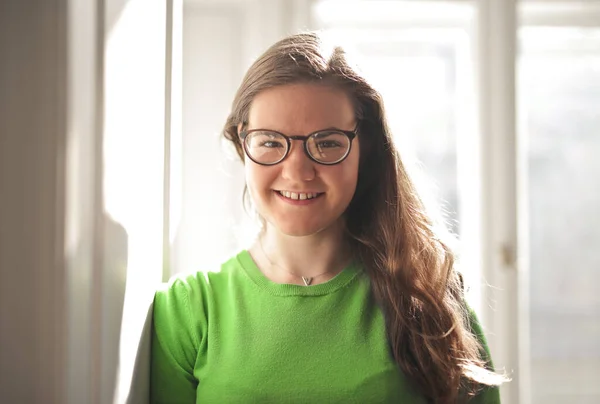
418 91
559 89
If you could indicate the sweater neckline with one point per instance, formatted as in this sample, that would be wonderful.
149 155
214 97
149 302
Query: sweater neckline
345 277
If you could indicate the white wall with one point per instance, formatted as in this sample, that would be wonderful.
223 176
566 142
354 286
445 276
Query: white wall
31 204
51 223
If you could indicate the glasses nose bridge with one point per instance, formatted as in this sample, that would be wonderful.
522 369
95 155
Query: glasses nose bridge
298 165
301 139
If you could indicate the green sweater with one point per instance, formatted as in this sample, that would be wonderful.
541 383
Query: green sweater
234 336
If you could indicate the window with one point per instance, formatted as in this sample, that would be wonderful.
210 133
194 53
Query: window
559 89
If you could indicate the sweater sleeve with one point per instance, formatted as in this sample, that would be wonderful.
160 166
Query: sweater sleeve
179 320
490 394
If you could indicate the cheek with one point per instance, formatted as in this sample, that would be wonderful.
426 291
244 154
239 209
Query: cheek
353 160
251 180
350 173
258 178
342 180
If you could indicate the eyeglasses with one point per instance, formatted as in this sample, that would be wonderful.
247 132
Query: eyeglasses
268 147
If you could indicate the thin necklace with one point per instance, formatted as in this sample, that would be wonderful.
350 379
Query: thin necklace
307 280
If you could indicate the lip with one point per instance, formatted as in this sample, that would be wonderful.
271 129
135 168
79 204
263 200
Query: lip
299 202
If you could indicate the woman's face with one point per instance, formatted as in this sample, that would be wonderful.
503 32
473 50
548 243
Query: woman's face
298 110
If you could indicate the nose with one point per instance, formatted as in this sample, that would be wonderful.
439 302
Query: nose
297 166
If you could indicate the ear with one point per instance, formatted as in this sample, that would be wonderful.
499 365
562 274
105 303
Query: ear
239 128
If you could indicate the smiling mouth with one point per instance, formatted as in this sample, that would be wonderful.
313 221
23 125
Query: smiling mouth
299 196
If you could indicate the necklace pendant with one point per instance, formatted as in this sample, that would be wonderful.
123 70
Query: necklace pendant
307 281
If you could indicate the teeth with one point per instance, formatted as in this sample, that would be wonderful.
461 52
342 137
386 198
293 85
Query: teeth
298 195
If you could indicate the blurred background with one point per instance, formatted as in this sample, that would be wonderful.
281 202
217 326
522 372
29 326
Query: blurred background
113 176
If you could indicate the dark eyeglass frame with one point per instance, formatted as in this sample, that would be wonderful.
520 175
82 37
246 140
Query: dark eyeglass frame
351 134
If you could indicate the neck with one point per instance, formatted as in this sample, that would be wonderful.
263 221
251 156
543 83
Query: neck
286 259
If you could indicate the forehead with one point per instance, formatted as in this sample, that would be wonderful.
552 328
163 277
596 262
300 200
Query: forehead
298 109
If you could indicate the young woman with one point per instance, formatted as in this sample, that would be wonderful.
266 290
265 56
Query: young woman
348 294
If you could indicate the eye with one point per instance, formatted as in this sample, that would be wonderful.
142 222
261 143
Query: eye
330 140
271 144
328 144
266 140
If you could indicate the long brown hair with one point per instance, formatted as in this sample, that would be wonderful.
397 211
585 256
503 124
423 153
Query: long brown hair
411 269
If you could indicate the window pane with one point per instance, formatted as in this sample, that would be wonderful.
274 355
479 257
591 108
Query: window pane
560 107
418 91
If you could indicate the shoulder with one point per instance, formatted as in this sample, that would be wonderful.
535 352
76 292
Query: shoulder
489 394
180 288
181 297
181 313
189 292
476 328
